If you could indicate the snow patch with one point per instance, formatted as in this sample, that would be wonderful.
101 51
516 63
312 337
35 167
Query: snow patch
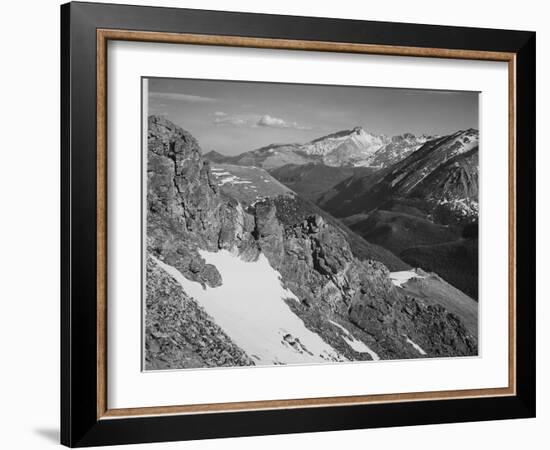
249 306
398 179
233 180
354 343
416 346
463 206
398 278
225 177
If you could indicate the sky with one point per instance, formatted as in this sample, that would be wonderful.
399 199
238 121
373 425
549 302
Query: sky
232 117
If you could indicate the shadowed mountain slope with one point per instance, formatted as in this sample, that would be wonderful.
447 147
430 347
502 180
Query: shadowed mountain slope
312 180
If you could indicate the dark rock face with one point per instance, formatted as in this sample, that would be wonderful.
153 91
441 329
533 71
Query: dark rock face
187 212
180 186
434 328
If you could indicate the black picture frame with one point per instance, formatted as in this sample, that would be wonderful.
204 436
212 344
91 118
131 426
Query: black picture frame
80 425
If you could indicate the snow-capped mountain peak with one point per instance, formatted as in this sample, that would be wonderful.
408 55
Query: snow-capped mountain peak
347 147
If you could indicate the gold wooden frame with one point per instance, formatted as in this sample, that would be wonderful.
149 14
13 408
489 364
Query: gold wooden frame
103 36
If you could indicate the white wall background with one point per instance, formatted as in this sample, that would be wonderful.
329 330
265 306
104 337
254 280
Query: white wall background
29 229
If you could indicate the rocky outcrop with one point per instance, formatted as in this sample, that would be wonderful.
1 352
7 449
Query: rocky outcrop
185 208
179 184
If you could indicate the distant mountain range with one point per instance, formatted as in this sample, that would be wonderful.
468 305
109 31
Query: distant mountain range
348 148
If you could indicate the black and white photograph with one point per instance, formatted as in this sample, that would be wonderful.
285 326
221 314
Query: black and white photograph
307 224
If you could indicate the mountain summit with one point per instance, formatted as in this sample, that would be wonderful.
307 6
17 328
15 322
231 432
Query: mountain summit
353 147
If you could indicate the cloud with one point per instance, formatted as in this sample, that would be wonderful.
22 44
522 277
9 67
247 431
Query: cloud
254 121
273 122
276 122
237 121
220 114
181 97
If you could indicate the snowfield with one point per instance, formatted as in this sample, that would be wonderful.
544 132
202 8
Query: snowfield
399 278
249 306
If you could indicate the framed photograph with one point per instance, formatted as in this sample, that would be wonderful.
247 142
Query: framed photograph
276 224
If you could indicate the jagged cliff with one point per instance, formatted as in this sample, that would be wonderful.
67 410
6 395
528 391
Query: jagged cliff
350 303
